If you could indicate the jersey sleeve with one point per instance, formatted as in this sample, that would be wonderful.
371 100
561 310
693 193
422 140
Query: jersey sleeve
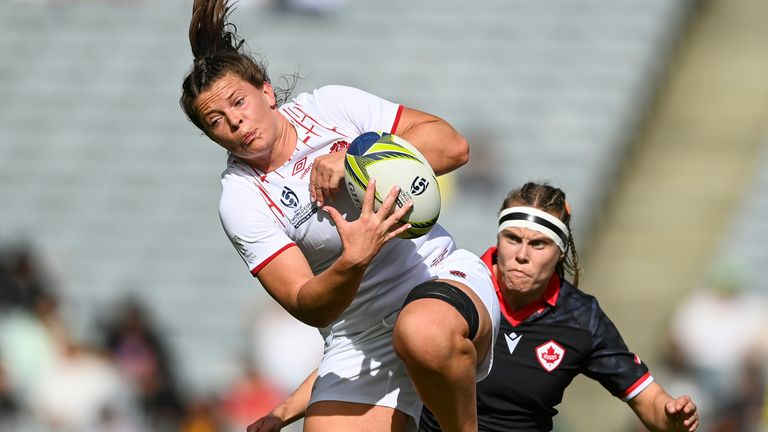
251 224
618 370
356 110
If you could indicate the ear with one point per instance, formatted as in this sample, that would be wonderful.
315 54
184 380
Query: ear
269 94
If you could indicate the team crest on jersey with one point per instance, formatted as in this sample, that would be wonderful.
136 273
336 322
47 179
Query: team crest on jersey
288 198
339 146
550 354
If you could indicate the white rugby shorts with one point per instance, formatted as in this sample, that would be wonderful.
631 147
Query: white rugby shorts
363 368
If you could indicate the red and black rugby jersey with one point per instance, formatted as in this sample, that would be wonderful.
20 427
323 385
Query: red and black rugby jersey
539 351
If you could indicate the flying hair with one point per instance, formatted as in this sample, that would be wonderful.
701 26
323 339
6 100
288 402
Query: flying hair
217 51
210 33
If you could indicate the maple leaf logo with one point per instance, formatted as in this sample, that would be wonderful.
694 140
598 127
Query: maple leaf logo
550 355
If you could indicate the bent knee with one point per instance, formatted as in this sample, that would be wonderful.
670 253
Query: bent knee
430 332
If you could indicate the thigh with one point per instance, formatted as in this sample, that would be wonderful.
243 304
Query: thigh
466 271
482 340
341 416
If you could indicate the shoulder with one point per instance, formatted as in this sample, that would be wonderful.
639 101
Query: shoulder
334 90
237 177
580 308
239 194
331 95
574 298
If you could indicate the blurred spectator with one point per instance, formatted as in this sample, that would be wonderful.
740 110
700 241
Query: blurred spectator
718 346
30 341
249 397
22 278
139 352
9 406
110 420
75 391
286 349
201 416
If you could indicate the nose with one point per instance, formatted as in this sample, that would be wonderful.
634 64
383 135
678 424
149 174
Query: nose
235 120
521 253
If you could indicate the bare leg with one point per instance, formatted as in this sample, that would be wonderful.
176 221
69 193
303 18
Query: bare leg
430 336
353 417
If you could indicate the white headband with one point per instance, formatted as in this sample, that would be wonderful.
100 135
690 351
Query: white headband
535 219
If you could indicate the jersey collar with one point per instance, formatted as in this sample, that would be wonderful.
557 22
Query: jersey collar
549 297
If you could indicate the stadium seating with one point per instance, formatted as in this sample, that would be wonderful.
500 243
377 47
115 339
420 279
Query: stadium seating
100 169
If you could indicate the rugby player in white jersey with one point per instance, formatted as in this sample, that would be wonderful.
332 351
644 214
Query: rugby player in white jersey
404 321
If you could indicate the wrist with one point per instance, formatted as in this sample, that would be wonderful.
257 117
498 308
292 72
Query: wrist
286 418
346 264
280 414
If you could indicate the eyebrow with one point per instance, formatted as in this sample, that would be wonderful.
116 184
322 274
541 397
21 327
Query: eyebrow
538 237
208 113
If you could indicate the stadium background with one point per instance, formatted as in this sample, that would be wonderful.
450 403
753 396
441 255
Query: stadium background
651 115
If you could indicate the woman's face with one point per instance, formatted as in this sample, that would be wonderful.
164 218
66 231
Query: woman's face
240 117
526 260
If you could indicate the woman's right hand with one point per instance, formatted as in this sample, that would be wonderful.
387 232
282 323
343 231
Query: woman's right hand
268 423
363 238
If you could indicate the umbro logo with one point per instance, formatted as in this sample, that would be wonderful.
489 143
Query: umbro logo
299 165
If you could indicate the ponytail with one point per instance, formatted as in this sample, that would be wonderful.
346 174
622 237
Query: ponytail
217 49
209 31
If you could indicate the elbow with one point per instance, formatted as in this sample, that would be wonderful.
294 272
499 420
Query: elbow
316 318
319 322
462 152
457 157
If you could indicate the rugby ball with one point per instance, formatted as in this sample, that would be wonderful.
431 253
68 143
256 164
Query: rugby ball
391 160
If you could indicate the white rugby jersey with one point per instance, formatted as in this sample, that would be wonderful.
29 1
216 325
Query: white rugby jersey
264 214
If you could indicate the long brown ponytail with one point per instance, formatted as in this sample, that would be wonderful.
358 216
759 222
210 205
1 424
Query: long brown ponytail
209 31
218 51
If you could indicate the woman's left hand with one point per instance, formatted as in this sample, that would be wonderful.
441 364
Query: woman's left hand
326 177
683 413
268 423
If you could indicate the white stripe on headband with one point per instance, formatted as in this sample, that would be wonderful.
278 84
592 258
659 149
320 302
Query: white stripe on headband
535 219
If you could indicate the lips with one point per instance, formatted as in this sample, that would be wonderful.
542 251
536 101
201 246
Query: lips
247 138
518 273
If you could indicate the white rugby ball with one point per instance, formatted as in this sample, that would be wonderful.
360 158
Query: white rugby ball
392 161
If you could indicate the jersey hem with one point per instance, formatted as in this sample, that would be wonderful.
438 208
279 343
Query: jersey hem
397 119
269 259
641 384
413 413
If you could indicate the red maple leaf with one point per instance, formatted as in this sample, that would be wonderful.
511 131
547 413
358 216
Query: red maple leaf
550 356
